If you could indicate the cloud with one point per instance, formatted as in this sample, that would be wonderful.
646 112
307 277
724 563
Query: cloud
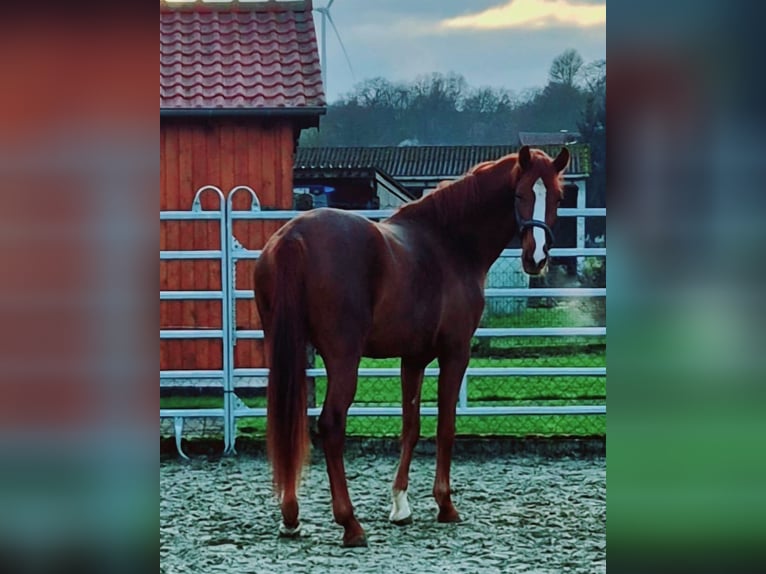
532 14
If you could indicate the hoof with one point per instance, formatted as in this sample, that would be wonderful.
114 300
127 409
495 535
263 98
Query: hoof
359 541
449 516
287 532
403 521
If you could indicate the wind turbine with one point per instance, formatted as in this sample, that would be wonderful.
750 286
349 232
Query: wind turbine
325 12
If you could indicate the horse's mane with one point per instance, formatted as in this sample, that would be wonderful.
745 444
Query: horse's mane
455 201
448 203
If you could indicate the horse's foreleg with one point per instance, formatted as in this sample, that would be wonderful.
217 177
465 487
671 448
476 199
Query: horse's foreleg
412 381
451 370
341 387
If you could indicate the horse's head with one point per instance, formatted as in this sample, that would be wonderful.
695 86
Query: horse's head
538 194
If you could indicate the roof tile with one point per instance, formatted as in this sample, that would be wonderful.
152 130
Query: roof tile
239 59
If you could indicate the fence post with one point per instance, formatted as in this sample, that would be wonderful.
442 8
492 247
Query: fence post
233 247
463 396
581 204
225 317
311 389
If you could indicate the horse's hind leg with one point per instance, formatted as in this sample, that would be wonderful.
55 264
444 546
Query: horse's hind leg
341 387
290 527
412 381
451 371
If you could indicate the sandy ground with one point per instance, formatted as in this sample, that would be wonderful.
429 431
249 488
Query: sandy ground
521 513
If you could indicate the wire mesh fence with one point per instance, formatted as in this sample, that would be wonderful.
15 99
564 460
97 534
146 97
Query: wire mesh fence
500 352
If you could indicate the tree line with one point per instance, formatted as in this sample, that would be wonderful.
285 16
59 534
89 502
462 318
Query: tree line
442 109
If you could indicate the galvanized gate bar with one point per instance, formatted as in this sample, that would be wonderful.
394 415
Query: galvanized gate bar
460 411
189 295
555 252
524 292
224 374
470 372
494 332
232 246
175 255
384 213
193 215
192 374
191 333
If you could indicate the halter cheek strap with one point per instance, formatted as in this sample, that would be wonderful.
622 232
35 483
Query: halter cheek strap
525 223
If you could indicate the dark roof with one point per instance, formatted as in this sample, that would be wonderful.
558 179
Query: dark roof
260 55
439 162
548 138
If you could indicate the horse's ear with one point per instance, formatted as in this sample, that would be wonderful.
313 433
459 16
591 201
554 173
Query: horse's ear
562 160
525 158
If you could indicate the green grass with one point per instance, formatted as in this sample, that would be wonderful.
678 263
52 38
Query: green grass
482 391
506 426
567 315
204 402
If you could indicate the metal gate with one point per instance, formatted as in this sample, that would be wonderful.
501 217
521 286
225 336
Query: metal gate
232 251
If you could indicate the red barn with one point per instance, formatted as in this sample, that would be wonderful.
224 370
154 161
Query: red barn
238 83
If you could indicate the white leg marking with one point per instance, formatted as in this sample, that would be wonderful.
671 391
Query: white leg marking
539 214
285 531
401 509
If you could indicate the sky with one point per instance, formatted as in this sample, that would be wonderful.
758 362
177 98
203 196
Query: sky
497 43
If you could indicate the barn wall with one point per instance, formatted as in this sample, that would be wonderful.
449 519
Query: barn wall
225 155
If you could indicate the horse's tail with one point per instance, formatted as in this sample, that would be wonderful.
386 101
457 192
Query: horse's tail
287 425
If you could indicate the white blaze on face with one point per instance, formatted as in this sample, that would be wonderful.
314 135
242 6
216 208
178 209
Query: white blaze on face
401 508
539 214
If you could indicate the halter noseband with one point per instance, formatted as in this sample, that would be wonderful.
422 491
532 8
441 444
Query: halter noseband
525 223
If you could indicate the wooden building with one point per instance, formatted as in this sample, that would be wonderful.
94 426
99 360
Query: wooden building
238 83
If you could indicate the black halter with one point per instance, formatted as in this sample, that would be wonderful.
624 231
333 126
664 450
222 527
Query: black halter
525 223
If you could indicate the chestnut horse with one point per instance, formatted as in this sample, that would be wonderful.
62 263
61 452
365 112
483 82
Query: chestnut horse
410 286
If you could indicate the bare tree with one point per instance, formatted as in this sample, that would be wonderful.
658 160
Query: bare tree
374 93
565 67
593 75
485 100
439 91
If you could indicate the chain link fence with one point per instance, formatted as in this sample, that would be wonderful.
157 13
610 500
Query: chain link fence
510 391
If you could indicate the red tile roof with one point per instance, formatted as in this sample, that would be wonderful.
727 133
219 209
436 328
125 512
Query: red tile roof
258 55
